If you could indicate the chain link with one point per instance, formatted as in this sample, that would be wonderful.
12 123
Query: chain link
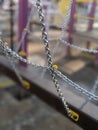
76 86
15 56
9 53
64 25
49 58
77 47
65 22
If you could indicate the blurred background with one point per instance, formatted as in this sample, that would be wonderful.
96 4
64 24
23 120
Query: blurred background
21 110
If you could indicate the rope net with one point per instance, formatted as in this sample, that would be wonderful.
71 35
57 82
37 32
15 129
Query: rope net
13 56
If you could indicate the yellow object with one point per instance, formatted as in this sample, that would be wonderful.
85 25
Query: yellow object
74 115
55 67
22 53
84 1
6 83
63 6
57 39
88 55
25 30
6 43
85 17
26 84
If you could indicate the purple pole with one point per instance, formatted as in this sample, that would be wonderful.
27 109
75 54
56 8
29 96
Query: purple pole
71 27
91 22
92 14
22 21
46 7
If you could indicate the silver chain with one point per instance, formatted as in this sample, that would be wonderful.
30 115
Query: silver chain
9 53
77 47
63 32
76 86
49 58
65 22
13 55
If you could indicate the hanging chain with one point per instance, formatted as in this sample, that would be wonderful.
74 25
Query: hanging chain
49 58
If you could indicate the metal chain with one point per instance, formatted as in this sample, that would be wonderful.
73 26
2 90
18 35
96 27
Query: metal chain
15 56
49 58
76 86
63 32
77 47
9 53
65 22
63 26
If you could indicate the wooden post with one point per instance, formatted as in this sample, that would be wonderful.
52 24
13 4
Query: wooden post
22 21
71 27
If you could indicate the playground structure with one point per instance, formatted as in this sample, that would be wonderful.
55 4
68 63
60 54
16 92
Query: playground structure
74 113
91 19
74 17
